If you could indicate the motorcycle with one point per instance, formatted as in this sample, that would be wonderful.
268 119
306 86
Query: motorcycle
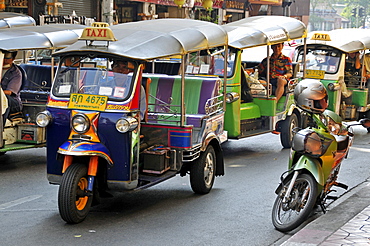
315 158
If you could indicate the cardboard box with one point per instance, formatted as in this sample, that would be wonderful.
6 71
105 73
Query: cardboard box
31 133
350 112
164 15
156 160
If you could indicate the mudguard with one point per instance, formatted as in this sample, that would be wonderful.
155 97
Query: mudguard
84 148
313 166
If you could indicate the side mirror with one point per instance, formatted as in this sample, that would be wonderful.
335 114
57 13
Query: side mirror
365 123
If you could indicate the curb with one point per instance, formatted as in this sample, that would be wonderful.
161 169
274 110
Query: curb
338 214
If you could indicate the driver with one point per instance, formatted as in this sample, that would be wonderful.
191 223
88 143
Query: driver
11 83
121 83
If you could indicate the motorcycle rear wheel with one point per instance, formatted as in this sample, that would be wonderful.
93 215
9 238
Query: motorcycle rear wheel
73 203
288 216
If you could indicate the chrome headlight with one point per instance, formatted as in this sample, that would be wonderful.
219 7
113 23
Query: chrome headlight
126 124
232 97
43 118
80 123
307 141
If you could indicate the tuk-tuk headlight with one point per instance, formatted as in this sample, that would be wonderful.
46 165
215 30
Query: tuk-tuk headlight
232 97
126 124
307 141
43 118
80 123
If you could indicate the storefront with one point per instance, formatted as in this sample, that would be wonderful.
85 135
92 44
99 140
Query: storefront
127 11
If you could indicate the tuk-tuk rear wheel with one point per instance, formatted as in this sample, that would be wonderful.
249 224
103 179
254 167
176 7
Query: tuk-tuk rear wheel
73 203
287 126
202 171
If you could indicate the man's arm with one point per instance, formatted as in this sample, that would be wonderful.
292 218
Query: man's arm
15 83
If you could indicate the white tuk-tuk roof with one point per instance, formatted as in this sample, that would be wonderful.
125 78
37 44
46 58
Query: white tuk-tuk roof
347 40
264 30
150 39
40 37
10 20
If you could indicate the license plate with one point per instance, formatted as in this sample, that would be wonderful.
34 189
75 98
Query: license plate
88 102
315 74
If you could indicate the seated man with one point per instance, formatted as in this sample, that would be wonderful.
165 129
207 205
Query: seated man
281 70
11 83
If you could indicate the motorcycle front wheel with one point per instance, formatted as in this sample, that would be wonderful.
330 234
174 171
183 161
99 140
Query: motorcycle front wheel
288 215
73 203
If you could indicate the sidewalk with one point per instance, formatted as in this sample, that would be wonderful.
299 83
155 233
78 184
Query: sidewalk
347 222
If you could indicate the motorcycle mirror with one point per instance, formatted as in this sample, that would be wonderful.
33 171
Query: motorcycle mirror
365 123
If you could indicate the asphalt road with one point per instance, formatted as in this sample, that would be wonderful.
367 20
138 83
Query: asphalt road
236 212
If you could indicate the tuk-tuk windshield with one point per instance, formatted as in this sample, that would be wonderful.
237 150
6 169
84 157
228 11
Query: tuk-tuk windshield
96 76
211 62
327 60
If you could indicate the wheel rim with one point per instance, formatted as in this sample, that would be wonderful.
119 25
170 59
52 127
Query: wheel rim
293 125
81 199
289 212
209 169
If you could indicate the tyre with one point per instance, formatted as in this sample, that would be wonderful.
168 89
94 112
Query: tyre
287 126
73 203
202 171
287 216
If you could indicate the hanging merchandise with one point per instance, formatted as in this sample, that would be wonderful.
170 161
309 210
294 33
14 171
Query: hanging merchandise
179 2
207 4
2 5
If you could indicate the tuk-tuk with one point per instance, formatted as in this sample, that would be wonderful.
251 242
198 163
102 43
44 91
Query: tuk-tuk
20 131
251 109
325 60
110 129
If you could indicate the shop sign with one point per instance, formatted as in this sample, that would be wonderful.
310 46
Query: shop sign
216 3
266 2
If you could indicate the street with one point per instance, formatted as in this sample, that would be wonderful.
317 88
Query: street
236 212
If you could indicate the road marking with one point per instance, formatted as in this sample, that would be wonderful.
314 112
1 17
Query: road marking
360 149
19 201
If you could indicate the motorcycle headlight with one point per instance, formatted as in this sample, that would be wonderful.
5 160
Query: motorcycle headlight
43 118
126 124
334 127
80 123
307 141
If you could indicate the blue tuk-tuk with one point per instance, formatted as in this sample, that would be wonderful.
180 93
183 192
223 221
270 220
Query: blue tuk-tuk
110 126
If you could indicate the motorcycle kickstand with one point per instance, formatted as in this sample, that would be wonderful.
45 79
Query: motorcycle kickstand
323 208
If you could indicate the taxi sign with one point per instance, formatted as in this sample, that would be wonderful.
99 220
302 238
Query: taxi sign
315 74
100 31
321 37
87 102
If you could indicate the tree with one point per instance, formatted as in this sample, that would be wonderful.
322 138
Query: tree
316 5
359 4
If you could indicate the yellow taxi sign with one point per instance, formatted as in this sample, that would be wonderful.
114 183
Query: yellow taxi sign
321 37
100 31
315 74
87 102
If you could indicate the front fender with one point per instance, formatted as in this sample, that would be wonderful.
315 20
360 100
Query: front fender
312 165
84 148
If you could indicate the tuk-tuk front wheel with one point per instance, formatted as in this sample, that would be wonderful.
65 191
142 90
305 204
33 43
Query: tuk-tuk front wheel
73 203
202 171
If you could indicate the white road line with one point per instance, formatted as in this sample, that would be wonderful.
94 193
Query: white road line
19 201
